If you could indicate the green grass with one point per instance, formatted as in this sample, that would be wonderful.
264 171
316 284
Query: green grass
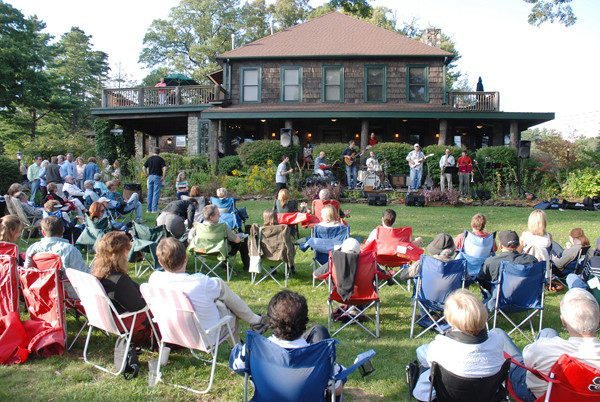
68 377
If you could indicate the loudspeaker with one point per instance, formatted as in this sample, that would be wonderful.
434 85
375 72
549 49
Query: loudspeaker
398 180
525 149
285 137
415 200
377 199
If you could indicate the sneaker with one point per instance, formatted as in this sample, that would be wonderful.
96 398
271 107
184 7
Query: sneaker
140 221
262 325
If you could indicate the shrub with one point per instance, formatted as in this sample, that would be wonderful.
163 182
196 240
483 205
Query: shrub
10 173
228 164
504 174
583 183
208 183
433 163
394 153
258 152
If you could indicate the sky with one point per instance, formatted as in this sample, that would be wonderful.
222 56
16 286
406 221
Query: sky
545 69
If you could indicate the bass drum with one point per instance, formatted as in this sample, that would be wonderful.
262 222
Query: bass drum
361 175
372 181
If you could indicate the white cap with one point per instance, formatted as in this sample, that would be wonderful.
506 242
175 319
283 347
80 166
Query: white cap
350 245
417 145
103 199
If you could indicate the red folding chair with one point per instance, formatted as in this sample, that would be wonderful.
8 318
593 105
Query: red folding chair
569 380
9 281
364 297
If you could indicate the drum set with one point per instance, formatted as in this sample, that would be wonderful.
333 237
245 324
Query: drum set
374 180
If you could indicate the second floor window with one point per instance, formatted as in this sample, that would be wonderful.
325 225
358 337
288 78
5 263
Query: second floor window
291 87
417 87
375 83
251 84
333 78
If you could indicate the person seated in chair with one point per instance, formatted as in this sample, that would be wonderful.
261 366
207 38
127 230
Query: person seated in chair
32 213
441 248
72 230
288 317
329 217
75 194
118 202
235 241
11 228
211 298
509 245
326 197
478 222
99 185
536 240
467 349
175 214
283 203
577 240
89 195
387 221
579 314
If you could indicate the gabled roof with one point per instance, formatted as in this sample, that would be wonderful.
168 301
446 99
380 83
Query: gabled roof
334 35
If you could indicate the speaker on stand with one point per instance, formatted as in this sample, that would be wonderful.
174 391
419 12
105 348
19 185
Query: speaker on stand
524 152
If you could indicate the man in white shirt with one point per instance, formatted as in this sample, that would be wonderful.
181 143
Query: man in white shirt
372 163
446 161
415 160
211 298
282 172
579 314
75 194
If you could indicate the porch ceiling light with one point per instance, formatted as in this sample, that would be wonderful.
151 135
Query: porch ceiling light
437 136
273 135
263 120
334 120
357 135
309 135
479 126
404 120
397 135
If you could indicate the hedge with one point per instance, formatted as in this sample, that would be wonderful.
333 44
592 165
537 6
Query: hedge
433 163
258 152
583 183
333 151
228 164
10 173
395 155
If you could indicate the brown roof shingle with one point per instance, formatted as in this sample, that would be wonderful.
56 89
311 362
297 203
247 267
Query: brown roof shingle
334 34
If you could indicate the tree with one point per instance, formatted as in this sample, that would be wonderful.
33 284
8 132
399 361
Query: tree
287 13
384 17
551 11
254 17
358 8
154 76
194 33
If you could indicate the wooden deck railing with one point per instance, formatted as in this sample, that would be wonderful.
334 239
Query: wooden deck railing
188 95
477 101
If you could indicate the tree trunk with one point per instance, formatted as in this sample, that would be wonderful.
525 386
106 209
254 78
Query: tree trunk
33 124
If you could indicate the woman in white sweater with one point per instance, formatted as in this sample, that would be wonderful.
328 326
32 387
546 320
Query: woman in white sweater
535 240
466 350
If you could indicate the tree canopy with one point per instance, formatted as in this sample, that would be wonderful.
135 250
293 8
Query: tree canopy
551 11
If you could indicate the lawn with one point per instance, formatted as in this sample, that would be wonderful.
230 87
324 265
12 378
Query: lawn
68 377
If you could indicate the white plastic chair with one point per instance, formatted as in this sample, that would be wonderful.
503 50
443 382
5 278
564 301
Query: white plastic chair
102 314
179 325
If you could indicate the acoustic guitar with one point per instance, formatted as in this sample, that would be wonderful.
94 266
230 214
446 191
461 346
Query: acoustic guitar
349 159
418 162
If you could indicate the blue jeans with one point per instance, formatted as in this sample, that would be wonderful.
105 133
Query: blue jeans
134 203
517 375
154 187
35 186
415 178
351 176
574 281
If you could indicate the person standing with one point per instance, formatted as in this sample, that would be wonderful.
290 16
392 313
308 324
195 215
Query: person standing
79 169
70 165
33 175
350 155
53 174
91 168
446 161
373 140
42 177
415 160
308 154
465 167
282 173
156 169
162 94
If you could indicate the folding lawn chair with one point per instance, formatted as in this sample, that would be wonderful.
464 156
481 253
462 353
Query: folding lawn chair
289 375
574 267
365 295
91 234
393 249
323 240
211 249
450 387
273 244
145 241
435 281
102 314
475 250
520 288
9 281
179 325
29 225
569 380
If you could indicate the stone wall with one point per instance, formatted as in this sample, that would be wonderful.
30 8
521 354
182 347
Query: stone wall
354 73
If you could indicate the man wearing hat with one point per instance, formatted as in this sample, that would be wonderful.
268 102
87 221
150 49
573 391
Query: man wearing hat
509 242
441 248
415 160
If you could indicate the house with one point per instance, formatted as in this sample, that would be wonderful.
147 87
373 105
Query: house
336 78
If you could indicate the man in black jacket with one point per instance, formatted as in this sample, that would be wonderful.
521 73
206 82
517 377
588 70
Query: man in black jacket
174 215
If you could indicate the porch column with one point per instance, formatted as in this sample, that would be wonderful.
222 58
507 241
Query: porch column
192 134
498 135
443 132
214 132
364 137
515 135
138 140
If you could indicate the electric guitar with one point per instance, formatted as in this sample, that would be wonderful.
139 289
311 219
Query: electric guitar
413 164
349 159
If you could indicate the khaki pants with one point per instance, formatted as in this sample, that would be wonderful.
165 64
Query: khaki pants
229 303
446 177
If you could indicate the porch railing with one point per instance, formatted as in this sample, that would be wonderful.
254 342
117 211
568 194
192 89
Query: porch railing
477 101
188 95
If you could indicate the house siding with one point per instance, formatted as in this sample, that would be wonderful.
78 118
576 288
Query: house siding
354 70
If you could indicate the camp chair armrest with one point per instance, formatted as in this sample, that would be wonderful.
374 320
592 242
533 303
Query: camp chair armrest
358 361
533 371
217 327
129 314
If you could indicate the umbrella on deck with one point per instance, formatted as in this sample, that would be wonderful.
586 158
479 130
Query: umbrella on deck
176 80
479 85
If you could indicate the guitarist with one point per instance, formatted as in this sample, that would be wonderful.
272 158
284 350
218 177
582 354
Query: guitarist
350 154
415 160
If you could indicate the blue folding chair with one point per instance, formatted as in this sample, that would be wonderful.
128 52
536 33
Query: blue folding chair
520 288
322 242
435 281
475 250
574 267
283 375
230 215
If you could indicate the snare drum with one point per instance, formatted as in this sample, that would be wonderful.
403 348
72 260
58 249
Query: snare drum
372 181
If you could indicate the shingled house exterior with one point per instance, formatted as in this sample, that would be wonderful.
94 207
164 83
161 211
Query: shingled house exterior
336 78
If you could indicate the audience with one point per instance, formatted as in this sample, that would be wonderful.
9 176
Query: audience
478 222
283 203
89 194
288 317
579 314
71 231
10 232
577 240
211 298
120 205
535 240
98 210
441 248
90 170
175 214
52 194
467 349
75 194
99 185
269 218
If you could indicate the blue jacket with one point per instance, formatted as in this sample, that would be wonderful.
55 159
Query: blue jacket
90 170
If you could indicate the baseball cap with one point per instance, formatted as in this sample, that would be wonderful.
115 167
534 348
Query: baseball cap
350 245
508 238
439 243
103 200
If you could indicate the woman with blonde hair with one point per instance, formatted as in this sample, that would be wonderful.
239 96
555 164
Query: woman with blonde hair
10 229
269 218
467 349
181 185
329 216
535 240
111 267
